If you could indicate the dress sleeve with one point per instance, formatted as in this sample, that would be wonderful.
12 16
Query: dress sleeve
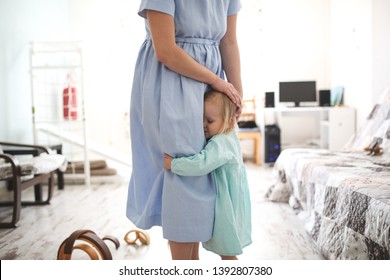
214 155
234 7
164 6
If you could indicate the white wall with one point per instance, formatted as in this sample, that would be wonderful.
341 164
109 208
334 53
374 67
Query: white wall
112 33
360 51
351 53
335 42
283 40
381 47
22 21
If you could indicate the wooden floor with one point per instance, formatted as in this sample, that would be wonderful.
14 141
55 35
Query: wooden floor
277 232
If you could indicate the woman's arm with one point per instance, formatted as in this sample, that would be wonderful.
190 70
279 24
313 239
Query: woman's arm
230 53
162 29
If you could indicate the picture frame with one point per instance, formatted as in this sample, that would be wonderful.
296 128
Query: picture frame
336 96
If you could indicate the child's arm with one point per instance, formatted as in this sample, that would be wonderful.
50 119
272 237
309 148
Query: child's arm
167 161
209 159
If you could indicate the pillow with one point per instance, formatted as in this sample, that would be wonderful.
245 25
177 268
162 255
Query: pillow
386 141
376 126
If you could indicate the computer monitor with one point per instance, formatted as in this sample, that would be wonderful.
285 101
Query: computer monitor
299 91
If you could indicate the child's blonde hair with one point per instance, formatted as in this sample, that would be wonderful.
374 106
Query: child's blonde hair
228 109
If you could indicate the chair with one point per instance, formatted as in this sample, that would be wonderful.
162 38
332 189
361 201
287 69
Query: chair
248 128
27 173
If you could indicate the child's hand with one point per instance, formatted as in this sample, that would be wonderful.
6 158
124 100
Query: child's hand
167 162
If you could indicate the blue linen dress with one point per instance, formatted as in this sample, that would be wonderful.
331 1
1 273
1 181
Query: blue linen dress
166 115
232 225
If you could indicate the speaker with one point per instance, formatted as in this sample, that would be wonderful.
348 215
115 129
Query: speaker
269 99
324 98
272 143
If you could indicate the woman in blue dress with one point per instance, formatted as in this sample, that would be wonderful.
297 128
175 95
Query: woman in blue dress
189 46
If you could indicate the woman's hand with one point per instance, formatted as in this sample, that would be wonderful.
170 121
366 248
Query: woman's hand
230 91
167 161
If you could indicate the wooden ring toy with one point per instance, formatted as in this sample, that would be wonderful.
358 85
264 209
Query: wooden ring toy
87 249
94 246
113 239
140 235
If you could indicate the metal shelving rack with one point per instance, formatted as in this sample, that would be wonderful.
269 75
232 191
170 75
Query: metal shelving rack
52 66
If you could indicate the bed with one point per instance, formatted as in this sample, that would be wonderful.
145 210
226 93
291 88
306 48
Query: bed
342 197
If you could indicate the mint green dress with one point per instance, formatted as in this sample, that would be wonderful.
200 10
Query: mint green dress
232 225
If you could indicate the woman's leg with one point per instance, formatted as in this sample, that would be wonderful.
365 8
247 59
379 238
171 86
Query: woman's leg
195 251
184 250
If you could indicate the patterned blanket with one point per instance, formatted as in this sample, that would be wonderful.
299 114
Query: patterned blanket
343 197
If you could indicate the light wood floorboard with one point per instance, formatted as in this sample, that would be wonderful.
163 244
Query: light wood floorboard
278 234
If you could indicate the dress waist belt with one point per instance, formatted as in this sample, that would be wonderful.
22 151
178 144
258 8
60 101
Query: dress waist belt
201 41
190 40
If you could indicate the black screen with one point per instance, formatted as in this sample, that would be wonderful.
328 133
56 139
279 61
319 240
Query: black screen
297 92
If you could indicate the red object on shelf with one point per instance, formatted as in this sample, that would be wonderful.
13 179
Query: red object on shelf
70 103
